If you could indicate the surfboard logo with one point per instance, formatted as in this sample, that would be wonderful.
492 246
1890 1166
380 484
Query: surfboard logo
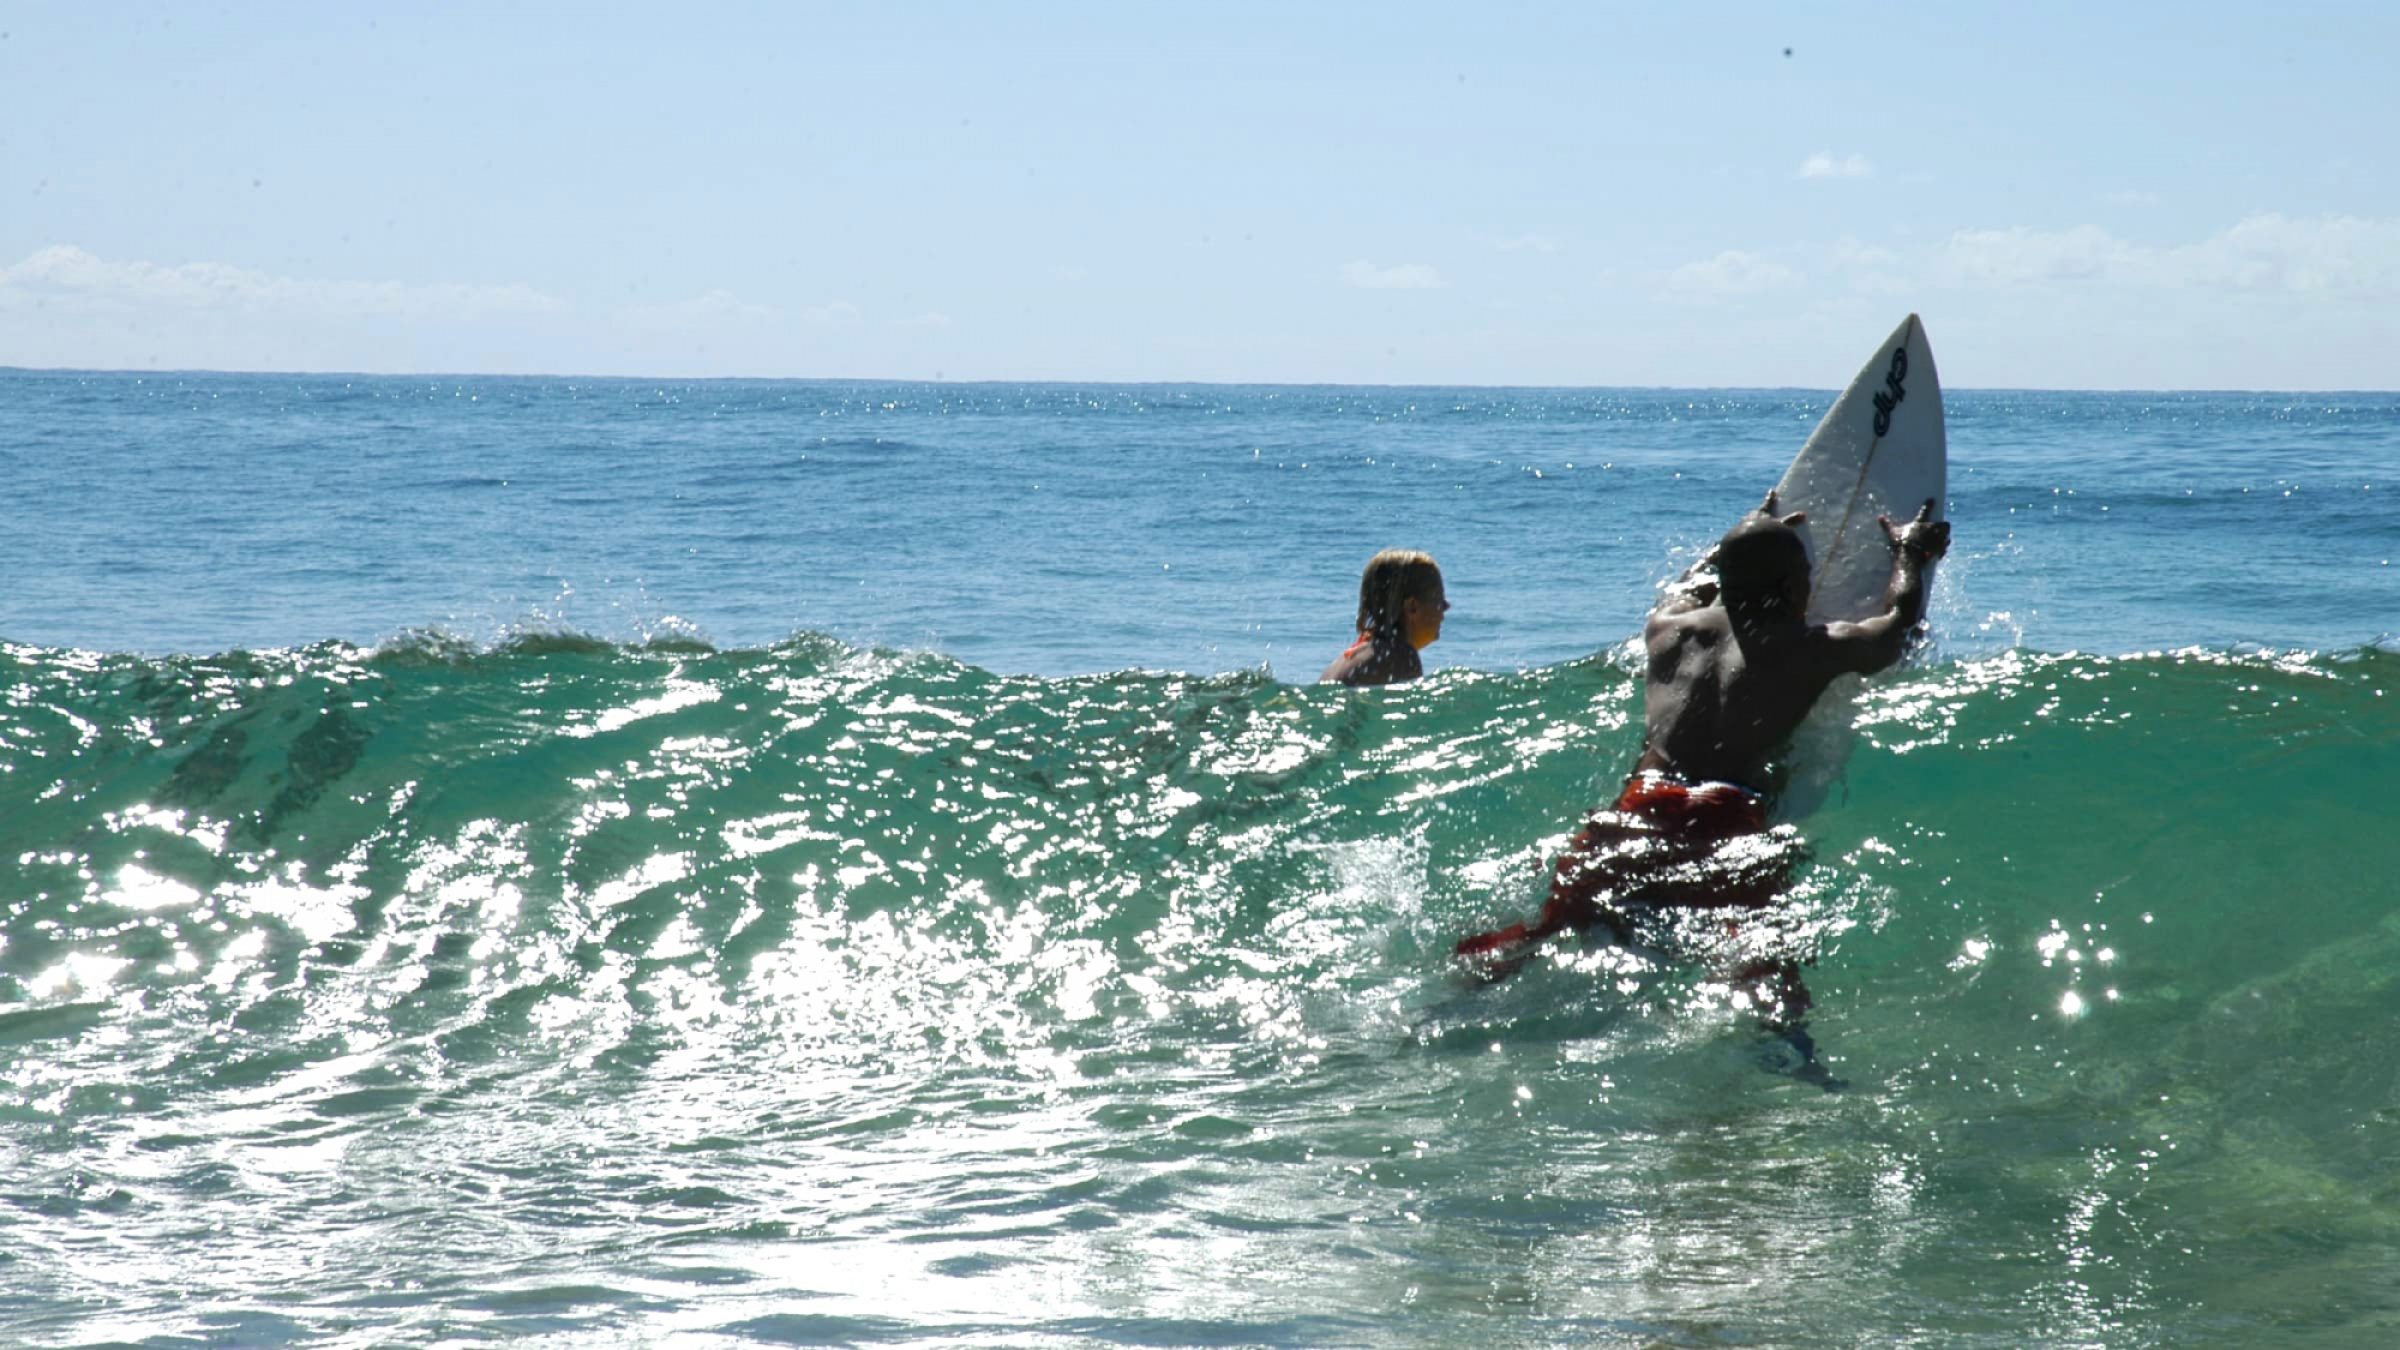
1885 402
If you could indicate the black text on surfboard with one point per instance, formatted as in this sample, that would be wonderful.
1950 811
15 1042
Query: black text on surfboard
1884 403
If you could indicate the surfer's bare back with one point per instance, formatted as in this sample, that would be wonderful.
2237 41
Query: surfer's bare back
1733 668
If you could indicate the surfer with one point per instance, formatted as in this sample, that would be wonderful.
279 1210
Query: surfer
1733 668
1400 607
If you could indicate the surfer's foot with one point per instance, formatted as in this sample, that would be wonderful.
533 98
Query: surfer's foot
1494 964
1792 1050
1488 958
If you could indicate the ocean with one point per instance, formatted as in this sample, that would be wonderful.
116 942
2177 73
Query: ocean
605 862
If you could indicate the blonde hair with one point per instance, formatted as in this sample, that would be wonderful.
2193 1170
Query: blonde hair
1393 578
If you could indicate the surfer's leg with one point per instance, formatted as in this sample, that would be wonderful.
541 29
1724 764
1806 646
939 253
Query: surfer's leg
1585 871
1591 867
1773 988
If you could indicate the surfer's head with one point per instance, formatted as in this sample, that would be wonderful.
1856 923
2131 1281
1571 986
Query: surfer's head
1401 596
1762 562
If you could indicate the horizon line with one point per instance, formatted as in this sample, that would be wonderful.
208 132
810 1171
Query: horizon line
6 369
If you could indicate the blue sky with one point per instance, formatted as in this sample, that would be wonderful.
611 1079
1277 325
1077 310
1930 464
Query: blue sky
2187 196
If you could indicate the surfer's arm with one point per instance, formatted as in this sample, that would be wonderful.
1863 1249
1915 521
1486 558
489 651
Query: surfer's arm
1872 644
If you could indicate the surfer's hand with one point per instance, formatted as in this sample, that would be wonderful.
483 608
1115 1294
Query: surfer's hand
1795 519
1923 536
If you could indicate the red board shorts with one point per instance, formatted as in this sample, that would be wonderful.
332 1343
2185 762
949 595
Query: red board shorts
1665 843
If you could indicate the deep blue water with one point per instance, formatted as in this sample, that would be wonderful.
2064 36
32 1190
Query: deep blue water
587 862
1055 529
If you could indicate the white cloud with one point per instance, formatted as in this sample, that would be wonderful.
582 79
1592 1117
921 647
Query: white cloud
65 274
1536 243
2273 252
1848 251
1403 277
65 306
2265 253
2133 197
708 306
1824 165
1869 269
831 312
2019 256
1732 272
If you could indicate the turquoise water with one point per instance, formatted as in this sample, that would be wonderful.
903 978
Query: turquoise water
430 917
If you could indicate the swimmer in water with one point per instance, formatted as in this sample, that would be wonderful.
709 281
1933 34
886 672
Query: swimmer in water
1400 607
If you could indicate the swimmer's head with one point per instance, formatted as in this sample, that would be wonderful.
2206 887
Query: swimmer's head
1762 561
1401 596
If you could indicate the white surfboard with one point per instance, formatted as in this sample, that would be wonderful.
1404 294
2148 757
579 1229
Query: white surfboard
1880 451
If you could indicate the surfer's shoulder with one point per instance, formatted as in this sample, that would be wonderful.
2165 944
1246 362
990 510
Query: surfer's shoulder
1374 663
1685 600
